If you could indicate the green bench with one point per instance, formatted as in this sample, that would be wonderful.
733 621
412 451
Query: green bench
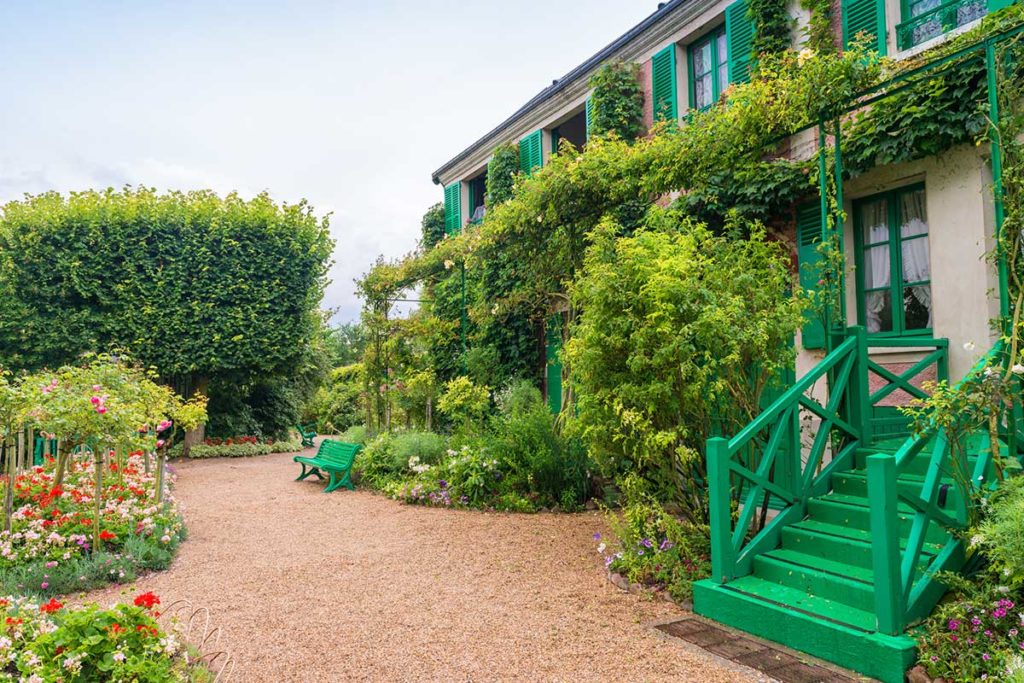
308 433
335 458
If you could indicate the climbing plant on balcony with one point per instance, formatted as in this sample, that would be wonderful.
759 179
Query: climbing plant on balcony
502 170
617 101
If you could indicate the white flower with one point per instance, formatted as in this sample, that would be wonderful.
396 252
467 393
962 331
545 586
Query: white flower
118 656
448 264
989 371
1017 369
968 346
976 540
601 548
35 678
805 54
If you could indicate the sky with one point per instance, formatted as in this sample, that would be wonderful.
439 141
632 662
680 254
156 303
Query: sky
349 105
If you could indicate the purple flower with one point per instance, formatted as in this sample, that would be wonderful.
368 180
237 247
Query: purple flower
665 545
443 484
646 543
597 536
640 552
976 621
986 657
953 624
999 613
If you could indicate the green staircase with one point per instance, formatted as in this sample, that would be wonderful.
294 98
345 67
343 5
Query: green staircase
833 553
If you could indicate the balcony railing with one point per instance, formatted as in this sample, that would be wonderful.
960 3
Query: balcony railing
935 22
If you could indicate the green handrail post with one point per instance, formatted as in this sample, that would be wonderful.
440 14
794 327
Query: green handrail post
860 387
885 543
997 177
723 556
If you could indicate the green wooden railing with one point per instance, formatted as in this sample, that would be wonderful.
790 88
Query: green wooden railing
886 421
939 20
767 465
905 588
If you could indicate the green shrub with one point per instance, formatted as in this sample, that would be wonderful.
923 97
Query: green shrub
375 464
338 405
1001 535
654 547
464 403
354 434
237 450
518 397
502 170
286 447
427 447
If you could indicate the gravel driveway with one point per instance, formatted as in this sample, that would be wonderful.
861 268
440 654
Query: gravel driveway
354 586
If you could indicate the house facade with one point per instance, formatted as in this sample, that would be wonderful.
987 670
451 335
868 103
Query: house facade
920 292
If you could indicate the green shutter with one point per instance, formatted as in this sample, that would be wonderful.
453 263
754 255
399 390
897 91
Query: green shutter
554 363
739 34
663 84
453 208
556 137
531 155
867 16
808 237
589 109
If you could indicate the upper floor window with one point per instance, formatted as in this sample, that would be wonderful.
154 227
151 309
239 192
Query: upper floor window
927 19
709 69
893 262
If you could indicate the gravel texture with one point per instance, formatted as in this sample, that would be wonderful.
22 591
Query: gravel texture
354 586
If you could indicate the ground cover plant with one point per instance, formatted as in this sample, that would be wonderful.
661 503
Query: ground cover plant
236 449
44 642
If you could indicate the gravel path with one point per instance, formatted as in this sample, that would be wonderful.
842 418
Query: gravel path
354 586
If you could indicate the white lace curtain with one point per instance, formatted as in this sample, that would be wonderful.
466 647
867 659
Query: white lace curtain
916 263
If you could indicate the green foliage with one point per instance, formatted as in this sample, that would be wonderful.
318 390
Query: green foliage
821 37
999 537
240 450
654 548
354 434
502 171
345 344
464 403
773 26
976 634
426 447
236 284
375 464
339 404
617 101
432 226
681 331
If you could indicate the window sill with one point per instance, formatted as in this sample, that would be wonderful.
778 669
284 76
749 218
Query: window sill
932 42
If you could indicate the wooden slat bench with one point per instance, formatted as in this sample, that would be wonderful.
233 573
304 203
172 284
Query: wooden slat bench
335 458
308 433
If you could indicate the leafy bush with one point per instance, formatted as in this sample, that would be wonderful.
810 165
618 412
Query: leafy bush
502 170
427 447
1001 535
654 547
375 464
680 330
237 450
338 405
464 403
617 101
354 434
52 642
976 635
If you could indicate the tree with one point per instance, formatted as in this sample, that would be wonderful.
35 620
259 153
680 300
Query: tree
197 286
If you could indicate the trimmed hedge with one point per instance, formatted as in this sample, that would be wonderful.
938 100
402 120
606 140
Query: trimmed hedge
237 450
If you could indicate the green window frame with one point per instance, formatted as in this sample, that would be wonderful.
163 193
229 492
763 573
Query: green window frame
893 263
713 71
927 19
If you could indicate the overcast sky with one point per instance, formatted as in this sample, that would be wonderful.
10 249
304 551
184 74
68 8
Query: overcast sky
350 105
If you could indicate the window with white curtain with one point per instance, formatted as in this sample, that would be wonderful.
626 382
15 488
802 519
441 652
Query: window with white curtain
893 264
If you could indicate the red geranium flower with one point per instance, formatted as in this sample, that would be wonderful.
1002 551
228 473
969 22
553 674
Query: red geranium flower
147 600
107 536
51 606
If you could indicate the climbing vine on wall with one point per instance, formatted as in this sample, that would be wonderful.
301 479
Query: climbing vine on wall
617 101
773 26
502 170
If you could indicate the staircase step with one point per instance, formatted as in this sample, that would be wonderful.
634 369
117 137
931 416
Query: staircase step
817 582
830 541
834 565
853 512
855 483
816 625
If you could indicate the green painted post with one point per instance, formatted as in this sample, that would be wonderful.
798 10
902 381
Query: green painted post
885 543
837 169
997 176
860 387
723 556
823 195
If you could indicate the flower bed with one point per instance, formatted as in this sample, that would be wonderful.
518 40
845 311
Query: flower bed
49 549
40 643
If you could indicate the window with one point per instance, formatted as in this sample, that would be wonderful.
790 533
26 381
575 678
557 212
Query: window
926 19
893 263
709 69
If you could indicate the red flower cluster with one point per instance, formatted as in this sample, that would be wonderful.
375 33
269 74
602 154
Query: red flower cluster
107 536
147 600
51 606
